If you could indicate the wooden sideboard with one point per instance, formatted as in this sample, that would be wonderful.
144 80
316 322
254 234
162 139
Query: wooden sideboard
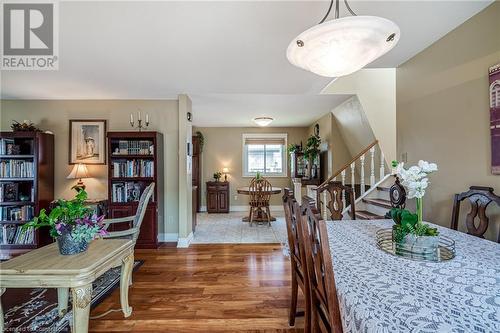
218 197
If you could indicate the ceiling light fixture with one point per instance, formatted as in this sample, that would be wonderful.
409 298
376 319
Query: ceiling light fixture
344 45
263 121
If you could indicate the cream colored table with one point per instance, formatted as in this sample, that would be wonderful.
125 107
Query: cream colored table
46 268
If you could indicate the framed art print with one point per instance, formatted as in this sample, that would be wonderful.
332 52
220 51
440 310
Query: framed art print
494 74
87 141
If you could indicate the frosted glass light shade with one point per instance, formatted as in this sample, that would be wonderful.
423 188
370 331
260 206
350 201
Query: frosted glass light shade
342 46
263 121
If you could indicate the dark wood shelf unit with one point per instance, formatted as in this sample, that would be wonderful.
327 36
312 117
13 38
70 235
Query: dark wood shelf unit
148 236
299 169
37 148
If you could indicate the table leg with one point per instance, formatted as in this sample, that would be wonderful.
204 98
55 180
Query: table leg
62 301
81 308
125 278
2 290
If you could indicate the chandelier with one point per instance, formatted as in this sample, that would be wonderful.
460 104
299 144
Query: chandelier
344 45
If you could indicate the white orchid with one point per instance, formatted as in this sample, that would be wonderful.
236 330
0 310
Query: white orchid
415 178
427 167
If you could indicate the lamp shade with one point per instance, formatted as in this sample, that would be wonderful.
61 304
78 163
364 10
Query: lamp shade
342 46
225 170
79 171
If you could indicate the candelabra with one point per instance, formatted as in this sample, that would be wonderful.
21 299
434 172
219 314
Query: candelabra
140 126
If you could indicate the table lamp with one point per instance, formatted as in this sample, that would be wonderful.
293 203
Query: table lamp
225 171
79 171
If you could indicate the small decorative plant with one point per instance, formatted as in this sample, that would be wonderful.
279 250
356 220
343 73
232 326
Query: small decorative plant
415 181
201 139
25 126
217 176
311 150
258 176
72 223
407 224
293 148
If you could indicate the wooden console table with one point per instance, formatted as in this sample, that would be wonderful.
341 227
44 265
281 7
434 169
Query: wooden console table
46 268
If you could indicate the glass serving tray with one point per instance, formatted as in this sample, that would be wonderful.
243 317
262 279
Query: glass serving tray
442 251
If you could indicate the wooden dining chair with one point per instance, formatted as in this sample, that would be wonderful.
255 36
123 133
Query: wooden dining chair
325 309
335 191
479 197
297 260
260 195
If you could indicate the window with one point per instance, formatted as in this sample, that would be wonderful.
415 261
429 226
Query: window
264 153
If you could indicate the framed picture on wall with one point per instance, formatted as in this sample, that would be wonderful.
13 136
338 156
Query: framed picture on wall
494 93
87 141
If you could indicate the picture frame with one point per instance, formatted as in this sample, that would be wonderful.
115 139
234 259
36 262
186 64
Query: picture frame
87 141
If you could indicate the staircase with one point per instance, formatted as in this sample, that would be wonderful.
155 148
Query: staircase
371 189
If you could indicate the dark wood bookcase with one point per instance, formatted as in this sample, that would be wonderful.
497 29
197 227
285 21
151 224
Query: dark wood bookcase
27 174
135 161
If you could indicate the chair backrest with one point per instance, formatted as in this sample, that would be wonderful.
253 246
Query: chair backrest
397 194
335 192
292 216
141 208
260 192
324 299
479 197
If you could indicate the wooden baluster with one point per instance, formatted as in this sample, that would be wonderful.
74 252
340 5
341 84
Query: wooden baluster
362 160
343 183
353 181
325 208
382 165
372 166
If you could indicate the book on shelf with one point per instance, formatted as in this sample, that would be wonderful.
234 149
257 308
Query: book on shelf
16 235
24 213
126 192
16 169
8 147
133 168
134 147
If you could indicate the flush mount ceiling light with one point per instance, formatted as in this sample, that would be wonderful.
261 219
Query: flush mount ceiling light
342 46
263 121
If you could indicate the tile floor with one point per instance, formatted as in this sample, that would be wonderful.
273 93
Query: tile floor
229 228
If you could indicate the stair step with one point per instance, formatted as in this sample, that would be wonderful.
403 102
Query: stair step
383 189
379 202
366 215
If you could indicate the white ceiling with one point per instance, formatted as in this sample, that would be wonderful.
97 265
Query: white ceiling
140 49
149 50
238 110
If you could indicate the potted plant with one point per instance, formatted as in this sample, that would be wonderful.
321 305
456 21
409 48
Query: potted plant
311 153
409 232
71 223
217 176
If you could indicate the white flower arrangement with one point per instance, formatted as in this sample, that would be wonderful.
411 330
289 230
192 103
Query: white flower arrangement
415 177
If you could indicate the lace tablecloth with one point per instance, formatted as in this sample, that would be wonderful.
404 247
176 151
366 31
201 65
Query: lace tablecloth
379 292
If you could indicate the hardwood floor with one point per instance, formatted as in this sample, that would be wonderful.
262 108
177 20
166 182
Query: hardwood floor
206 288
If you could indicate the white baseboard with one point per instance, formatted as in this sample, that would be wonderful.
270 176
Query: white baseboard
168 237
276 208
184 242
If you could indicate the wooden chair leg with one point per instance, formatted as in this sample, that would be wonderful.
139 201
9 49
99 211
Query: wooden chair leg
251 215
268 216
293 302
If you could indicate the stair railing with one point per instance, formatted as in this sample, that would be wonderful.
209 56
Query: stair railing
359 160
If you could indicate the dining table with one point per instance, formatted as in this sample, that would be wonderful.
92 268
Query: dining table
261 215
381 292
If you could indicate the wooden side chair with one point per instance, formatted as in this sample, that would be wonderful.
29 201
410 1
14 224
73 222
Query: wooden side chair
479 197
325 309
297 259
335 192
133 232
260 195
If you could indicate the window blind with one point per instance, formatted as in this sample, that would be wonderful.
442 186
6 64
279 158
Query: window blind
264 141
